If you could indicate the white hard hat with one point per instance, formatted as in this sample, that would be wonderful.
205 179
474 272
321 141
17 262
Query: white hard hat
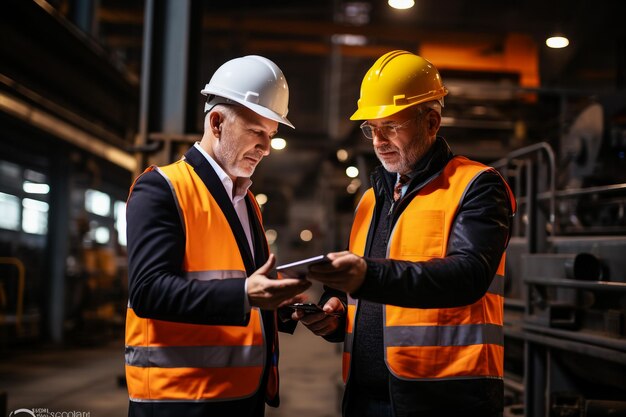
254 82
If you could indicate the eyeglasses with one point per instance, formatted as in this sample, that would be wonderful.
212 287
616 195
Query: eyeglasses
389 131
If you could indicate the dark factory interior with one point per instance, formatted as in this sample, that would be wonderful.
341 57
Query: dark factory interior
94 91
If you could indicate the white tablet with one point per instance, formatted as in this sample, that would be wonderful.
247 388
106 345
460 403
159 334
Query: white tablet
300 268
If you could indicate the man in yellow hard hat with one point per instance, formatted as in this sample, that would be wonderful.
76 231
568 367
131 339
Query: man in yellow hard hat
201 321
420 291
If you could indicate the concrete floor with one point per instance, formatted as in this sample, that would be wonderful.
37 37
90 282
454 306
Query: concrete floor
310 376
86 379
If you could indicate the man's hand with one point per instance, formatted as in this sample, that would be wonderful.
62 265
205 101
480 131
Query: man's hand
325 323
346 272
269 294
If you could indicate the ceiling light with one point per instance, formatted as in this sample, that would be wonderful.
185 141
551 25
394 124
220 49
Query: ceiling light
261 199
278 143
342 155
352 172
401 4
306 235
271 235
557 42
348 39
35 188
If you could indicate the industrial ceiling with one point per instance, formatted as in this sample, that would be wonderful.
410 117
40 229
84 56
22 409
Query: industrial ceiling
507 88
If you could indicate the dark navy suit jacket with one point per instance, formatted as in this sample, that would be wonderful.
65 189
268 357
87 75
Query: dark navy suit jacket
158 289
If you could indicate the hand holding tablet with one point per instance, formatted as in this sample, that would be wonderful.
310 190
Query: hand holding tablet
299 269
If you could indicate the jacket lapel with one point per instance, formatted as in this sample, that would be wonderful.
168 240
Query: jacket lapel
261 251
216 188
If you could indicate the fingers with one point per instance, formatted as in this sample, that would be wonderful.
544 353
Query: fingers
341 261
312 318
335 255
297 315
325 323
267 267
346 272
334 306
328 267
269 294
319 323
344 260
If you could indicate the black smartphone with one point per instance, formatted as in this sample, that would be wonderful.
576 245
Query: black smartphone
310 308
299 269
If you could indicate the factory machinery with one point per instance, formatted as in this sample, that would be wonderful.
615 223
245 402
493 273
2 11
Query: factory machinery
565 296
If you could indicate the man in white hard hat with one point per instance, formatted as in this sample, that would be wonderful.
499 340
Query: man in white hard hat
201 323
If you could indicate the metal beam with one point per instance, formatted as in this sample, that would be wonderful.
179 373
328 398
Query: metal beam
64 130
165 73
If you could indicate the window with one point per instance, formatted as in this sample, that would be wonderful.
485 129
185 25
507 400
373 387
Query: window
120 221
34 216
97 202
10 209
30 187
102 235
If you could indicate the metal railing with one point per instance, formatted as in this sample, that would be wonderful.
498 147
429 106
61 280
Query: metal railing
19 306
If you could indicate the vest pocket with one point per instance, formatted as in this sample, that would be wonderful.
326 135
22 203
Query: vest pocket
421 233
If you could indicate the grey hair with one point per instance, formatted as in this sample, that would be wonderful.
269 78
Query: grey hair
229 112
435 105
429 105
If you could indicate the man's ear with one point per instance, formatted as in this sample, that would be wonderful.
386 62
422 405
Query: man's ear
215 123
434 122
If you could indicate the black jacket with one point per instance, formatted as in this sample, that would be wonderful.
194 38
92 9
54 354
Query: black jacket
158 290
478 238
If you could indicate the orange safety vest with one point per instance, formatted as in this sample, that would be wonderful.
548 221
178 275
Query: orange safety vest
170 361
436 343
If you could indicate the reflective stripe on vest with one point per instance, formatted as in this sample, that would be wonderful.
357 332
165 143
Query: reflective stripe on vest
170 361
439 343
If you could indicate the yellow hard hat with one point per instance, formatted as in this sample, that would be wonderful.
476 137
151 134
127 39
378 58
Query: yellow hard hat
397 80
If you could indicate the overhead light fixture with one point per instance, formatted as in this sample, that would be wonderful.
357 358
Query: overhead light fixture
348 39
401 4
306 235
342 155
278 143
261 199
557 42
271 235
35 188
352 172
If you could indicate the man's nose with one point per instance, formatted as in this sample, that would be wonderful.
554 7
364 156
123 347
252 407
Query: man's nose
265 145
377 138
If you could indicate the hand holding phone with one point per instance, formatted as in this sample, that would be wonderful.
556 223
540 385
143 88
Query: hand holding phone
322 324
310 308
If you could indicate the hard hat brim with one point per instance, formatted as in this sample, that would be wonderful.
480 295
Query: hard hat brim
380 112
267 113
260 110
377 112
